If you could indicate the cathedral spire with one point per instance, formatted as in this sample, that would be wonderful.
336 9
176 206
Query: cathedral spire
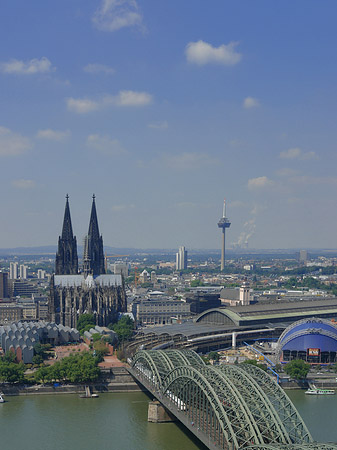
93 224
94 244
67 229
66 257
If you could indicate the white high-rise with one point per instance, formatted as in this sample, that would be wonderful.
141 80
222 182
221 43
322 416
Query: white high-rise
23 272
13 270
181 259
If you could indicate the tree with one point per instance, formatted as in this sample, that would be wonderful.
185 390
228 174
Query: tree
196 283
297 368
96 337
214 355
11 372
37 360
85 322
42 374
253 362
124 328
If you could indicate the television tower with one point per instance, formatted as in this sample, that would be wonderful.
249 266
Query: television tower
223 223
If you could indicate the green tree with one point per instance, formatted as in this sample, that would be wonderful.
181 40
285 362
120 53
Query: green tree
37 360
253 362
39 350
96 337
124 328
196 283
214 355
85 322
11 372
297 368
42 374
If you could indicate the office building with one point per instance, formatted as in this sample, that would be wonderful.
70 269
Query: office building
13 270
3 285
23 272
303 256
181 259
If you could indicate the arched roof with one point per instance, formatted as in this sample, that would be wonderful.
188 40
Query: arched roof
221 316
309 333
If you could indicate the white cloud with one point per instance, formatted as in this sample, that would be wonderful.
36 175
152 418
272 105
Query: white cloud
82 105
188 160
250 102
117 208
297 153
99 68
159 125
52 135
105 144
259 182
23 184
113 15
34 66
13 144
133 98
202 53
123 98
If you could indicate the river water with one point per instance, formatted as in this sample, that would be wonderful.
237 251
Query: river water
119 422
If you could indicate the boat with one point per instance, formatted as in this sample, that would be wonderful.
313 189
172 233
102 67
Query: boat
2 400
316 391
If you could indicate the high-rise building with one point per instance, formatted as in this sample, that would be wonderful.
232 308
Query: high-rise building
93 292
23 272
41 274
13 270
181 259
223 224
66 262
303 256
3 285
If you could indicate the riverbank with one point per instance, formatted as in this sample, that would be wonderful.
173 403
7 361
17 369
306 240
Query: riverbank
115 379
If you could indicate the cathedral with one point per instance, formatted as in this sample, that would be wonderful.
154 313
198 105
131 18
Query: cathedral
92 291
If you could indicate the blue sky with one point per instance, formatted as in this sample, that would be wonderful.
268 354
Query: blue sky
162 109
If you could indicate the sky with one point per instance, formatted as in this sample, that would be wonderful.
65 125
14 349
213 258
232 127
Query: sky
163 109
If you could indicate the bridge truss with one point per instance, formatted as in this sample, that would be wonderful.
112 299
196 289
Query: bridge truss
228 407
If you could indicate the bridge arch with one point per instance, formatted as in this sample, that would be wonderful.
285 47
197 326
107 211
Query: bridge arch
156 364
229 406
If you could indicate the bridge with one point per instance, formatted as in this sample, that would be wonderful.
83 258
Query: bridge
227 407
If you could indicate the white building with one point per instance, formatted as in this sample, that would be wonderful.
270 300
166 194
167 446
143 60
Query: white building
41 274
23 272
181 259
13 270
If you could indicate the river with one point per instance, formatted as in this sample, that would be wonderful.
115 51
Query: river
119 422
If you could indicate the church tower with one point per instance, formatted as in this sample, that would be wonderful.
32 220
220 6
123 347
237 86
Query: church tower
93 248
66 257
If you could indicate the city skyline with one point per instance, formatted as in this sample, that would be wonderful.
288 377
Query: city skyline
162 109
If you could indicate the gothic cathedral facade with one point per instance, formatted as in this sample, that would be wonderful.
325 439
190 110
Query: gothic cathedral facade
92 291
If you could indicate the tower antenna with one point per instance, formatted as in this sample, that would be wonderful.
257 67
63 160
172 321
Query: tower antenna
223 224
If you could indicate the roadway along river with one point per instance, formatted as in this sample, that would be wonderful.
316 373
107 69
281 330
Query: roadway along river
119 422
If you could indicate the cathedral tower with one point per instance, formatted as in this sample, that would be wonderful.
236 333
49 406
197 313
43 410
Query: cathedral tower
93 248
66 257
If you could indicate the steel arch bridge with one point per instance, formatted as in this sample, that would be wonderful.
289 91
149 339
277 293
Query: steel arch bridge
228 407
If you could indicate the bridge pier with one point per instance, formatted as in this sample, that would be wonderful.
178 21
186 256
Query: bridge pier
158 413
